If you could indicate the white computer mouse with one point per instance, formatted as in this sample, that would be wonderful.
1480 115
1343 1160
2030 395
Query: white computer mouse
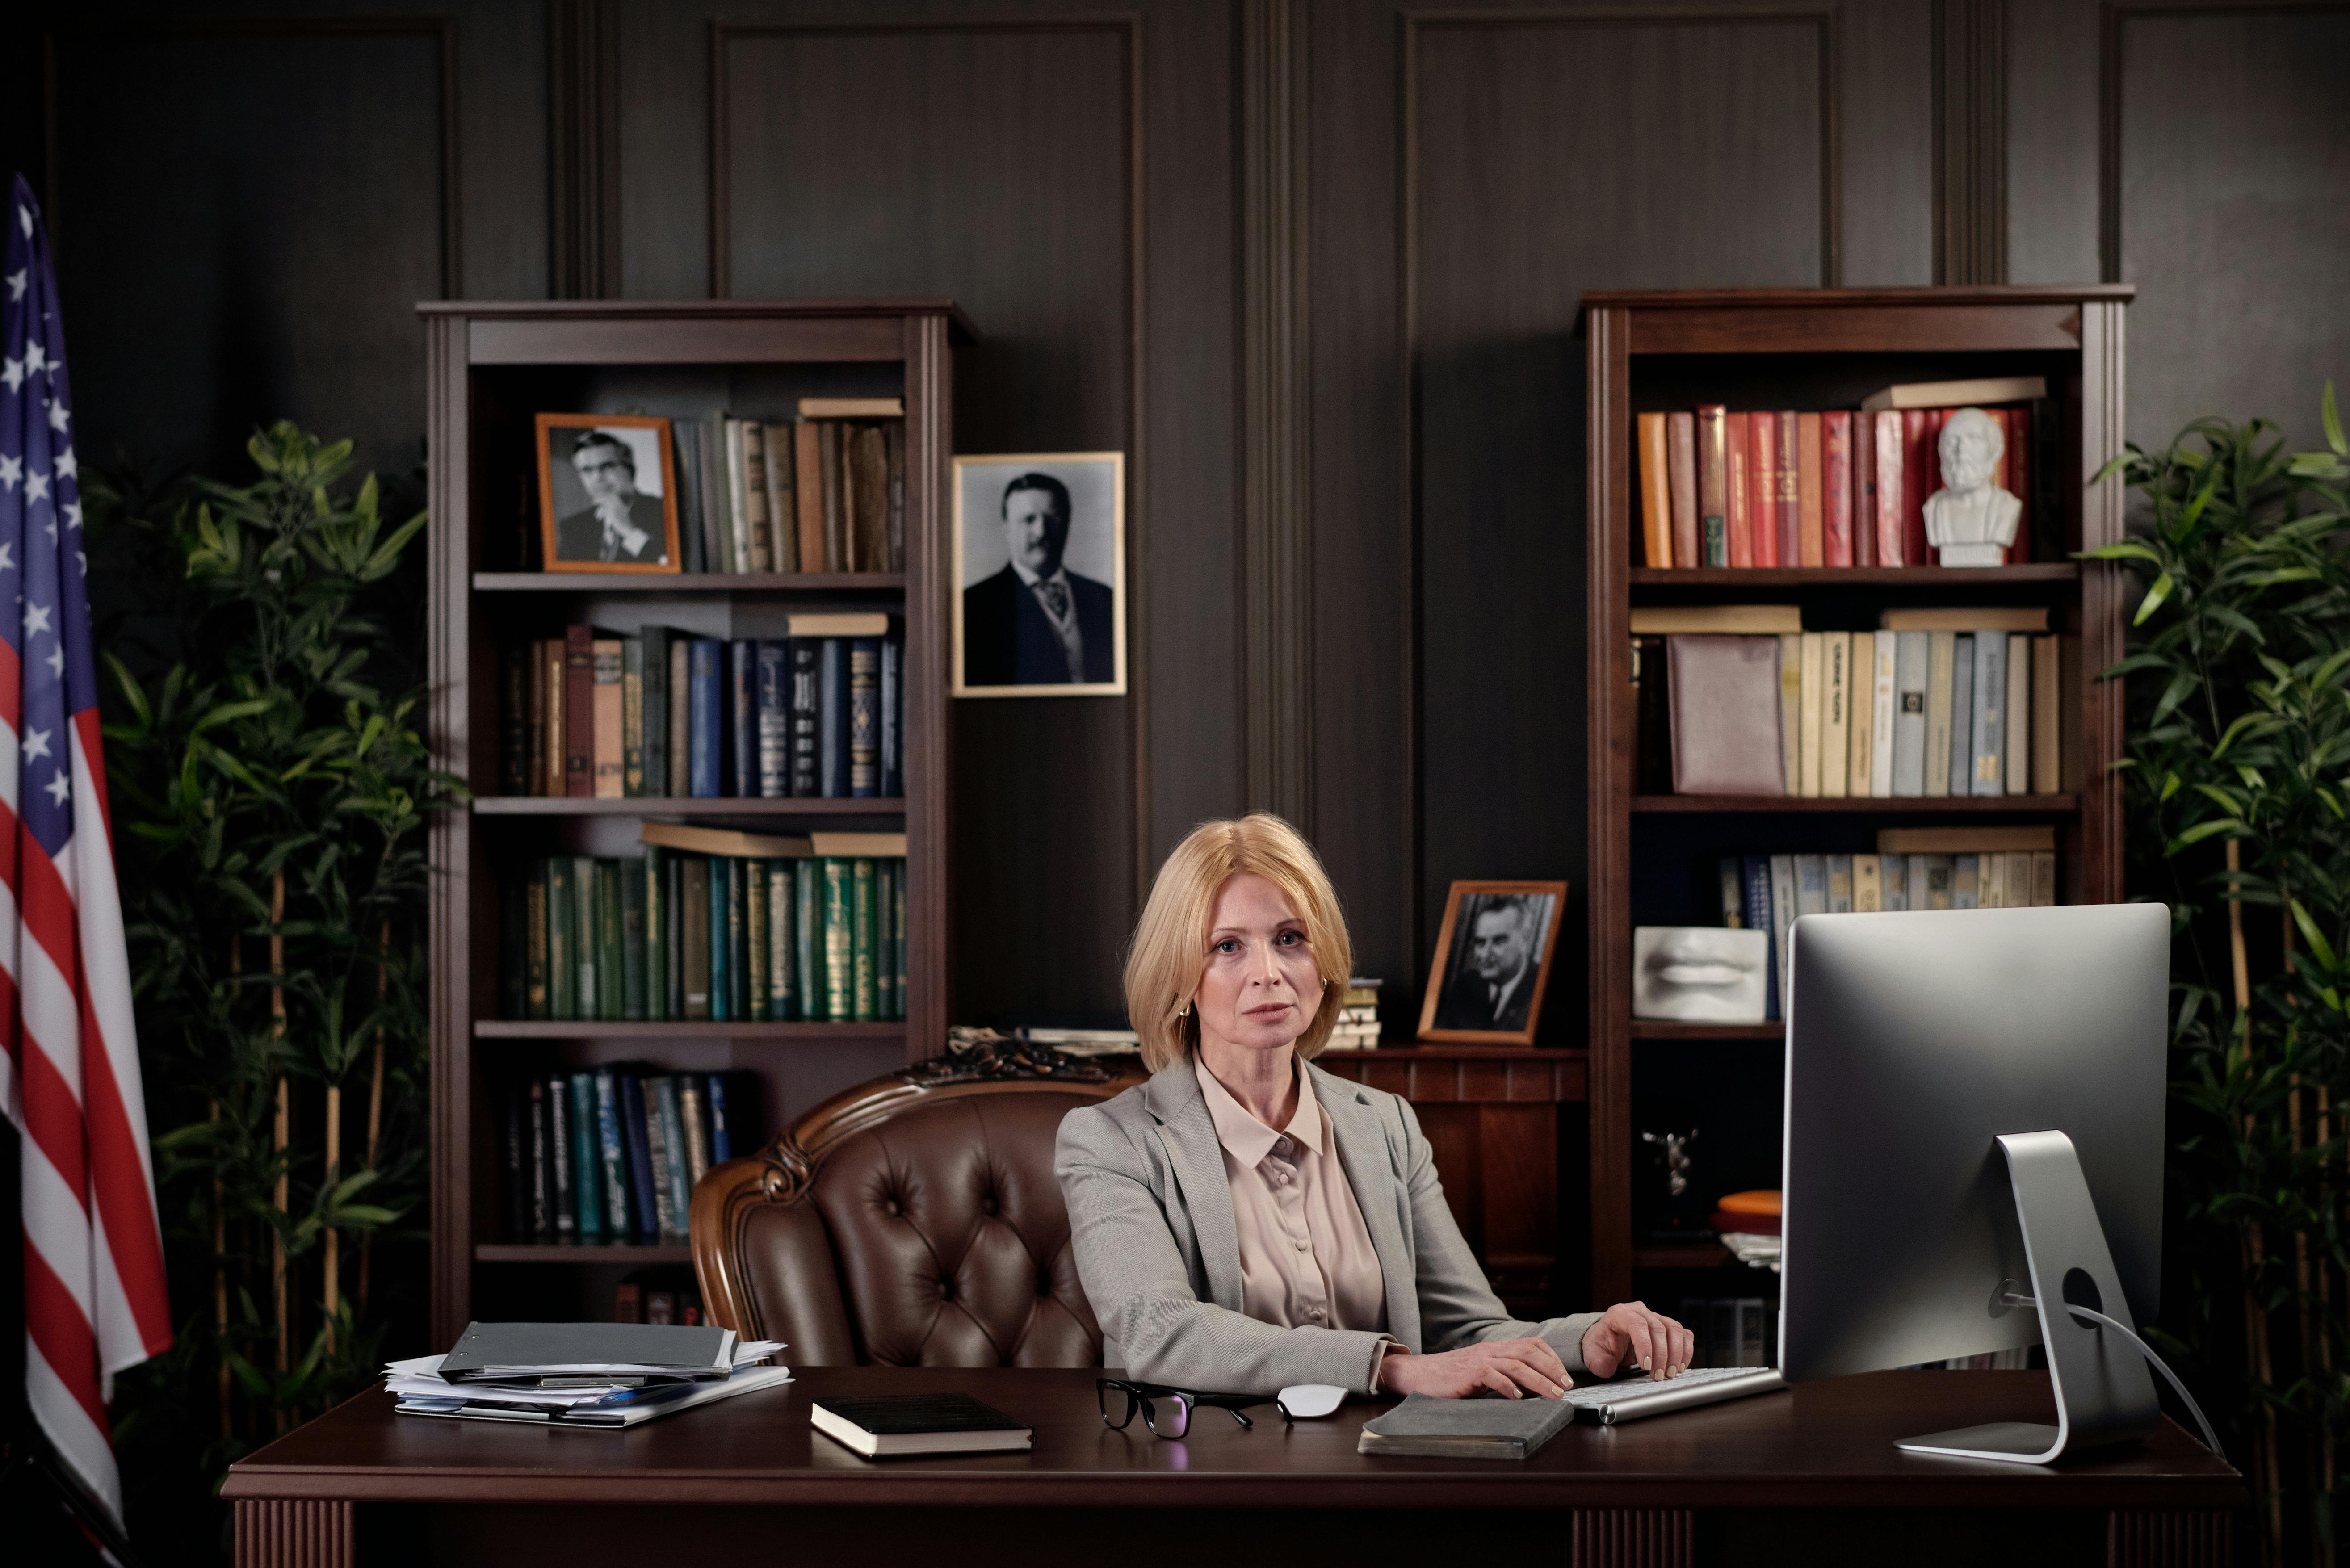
1306 1401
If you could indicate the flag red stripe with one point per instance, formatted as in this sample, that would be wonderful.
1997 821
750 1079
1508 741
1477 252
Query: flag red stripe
46 910
11 684
93 748
53 1120
54 1321
117 1169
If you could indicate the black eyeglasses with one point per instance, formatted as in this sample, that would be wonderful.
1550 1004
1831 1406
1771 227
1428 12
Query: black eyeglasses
1174 1419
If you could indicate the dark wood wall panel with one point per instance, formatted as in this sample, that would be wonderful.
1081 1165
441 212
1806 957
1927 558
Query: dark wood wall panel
248 209
1540 153
2228 171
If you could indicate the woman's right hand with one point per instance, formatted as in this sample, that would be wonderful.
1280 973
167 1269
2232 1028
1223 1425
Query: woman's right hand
1509 1367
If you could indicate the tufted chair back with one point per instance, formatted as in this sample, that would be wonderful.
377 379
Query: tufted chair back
907 1222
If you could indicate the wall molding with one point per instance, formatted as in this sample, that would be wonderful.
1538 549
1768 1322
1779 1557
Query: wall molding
1127 29
441 30
1827 18
2110 40
1276 428
1970 141
583 144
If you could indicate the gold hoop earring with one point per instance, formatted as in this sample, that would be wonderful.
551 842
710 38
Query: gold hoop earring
1183 1012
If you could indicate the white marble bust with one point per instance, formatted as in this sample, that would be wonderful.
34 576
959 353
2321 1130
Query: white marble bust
1970 520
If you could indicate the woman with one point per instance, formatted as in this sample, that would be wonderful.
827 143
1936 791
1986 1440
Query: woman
1244 1222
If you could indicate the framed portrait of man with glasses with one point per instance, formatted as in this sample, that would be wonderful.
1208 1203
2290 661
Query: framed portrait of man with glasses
607 494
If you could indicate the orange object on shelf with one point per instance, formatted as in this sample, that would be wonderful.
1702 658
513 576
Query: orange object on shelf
1762 1200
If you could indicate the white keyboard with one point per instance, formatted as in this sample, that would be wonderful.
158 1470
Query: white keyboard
1633 1399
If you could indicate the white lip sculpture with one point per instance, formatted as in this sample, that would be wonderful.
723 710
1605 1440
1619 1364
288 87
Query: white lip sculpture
1699 974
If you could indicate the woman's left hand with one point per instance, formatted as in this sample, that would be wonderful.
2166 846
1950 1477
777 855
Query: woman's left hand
1630 1333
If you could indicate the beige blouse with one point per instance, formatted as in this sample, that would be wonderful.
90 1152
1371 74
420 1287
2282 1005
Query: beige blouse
1306 1258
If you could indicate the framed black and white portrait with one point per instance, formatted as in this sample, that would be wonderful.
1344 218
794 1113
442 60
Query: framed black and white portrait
1492 962
607 494
1040 574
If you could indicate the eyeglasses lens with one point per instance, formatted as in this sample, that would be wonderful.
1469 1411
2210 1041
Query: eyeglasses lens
1169 1419
1109 1396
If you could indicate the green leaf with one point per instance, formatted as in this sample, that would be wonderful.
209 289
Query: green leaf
2330 416
2203 830
2322 949
2154 598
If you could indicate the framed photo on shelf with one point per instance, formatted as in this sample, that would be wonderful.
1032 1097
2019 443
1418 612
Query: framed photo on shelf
607 494
1040 566
1493 962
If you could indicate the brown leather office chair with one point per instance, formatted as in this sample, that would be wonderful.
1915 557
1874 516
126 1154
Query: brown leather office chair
911 1222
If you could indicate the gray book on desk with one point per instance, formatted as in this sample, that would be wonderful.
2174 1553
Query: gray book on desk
1424 1428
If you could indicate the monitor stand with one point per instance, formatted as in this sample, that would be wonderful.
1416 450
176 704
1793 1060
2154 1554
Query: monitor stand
2103 1396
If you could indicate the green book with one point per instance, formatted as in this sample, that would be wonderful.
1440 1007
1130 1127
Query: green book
656 932
897 939
632 716
839 940
535 935
612 942
863 912
694 942
656 640
754 926
738 940
885 949
673 873
586 1157
721 941
782 960
808 936
585 946
681 1171
632 940
562 940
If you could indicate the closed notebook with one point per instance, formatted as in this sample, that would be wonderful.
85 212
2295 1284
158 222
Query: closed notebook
893 1424
1426 1427
1725 712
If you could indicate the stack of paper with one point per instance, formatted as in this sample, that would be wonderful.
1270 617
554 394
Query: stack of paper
581 1374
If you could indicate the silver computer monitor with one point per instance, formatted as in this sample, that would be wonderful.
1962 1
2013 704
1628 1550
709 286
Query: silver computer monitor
1915 1043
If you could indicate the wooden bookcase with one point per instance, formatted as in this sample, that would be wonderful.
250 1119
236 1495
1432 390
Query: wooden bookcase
492 366
1807 350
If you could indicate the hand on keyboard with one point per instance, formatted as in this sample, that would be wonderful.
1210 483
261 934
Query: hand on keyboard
1629 1334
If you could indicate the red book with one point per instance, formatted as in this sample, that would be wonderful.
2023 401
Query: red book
2018 480
579 710
1742 524
1892 491
1835 499
1762 486
1864 489
1920 477
1789 494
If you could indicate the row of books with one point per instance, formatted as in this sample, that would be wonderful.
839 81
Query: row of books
711 924
611 1155
664 715
825 492
2003 867
1358 1018
659 1295
1735 1331
1842 487
1918 708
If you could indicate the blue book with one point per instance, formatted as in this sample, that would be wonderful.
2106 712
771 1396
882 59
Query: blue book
722 1138
643 1209
1758 919
807 710
893 675
1962 715
774 719
742 716
681 1171
832 718
612 1153
586 1158
864 716
721 950
706 730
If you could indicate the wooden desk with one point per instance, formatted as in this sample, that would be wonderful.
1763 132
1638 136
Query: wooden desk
1809 1475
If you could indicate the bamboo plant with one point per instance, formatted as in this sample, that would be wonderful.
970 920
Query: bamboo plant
2238 767
270 788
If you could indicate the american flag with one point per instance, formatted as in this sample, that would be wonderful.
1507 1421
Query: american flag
94 1298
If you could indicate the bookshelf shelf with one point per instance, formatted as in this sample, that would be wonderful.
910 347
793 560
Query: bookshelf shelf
492 368
1898 805
1651 858
728 806
1686 1255
630 1253
1654 1029
685 583
1961 579
625 1029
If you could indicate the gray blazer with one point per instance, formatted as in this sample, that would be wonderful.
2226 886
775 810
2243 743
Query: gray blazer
1150 1220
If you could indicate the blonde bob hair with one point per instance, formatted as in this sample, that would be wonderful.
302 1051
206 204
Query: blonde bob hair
1170 951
